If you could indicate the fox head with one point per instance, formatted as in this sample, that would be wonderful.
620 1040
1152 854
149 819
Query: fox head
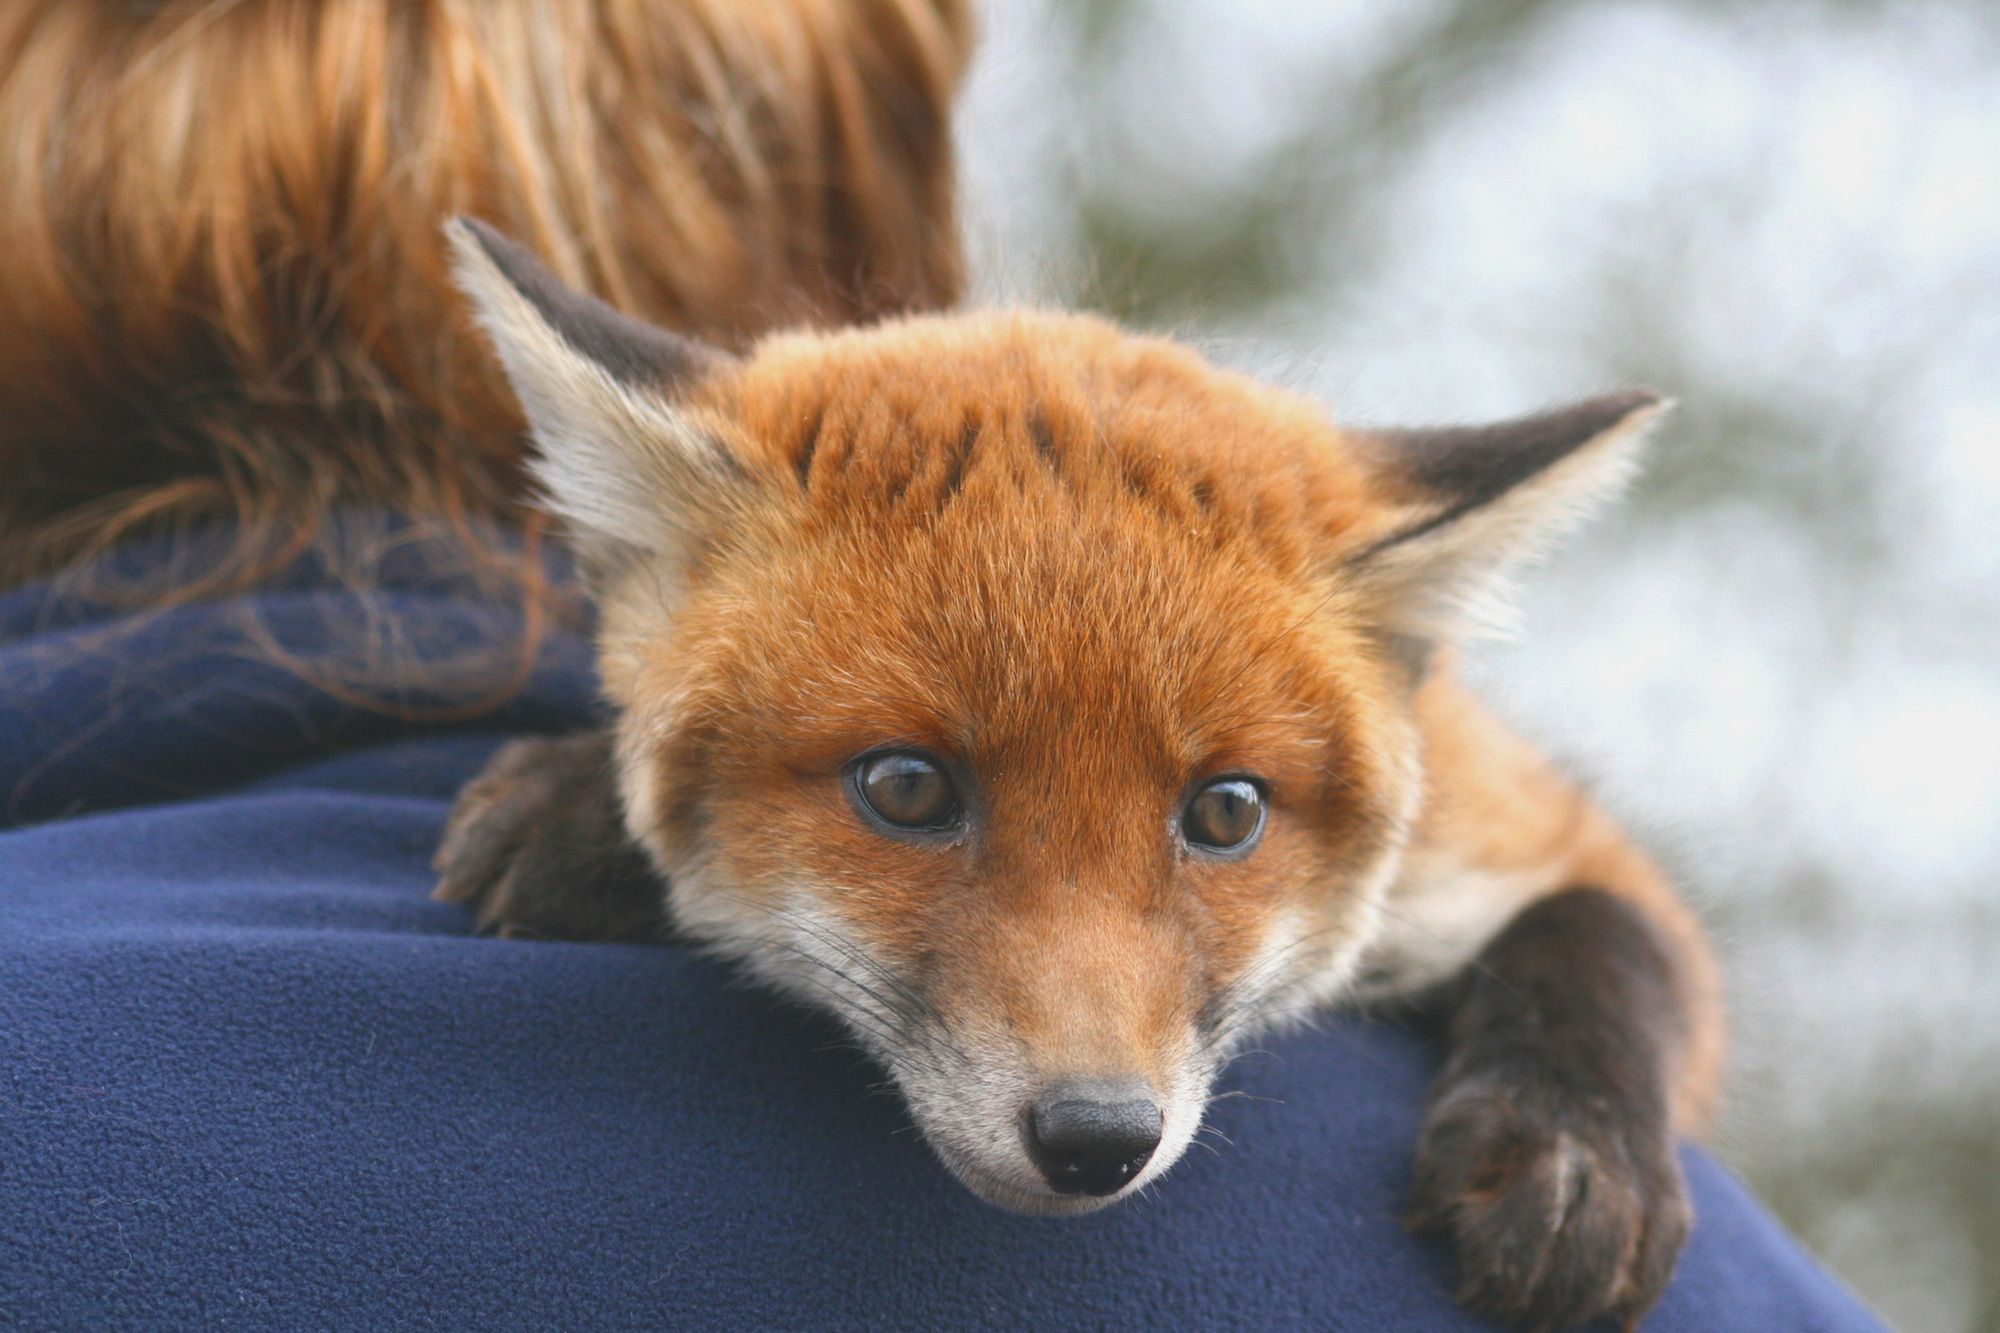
1033 695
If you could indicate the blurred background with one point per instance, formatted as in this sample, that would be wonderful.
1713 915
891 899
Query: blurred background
1779 661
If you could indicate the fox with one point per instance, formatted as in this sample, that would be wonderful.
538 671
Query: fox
1059 711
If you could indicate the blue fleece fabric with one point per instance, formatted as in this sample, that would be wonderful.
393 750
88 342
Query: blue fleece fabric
252 1076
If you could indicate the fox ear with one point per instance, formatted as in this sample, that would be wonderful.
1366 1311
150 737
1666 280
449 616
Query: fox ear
617 458
1473 502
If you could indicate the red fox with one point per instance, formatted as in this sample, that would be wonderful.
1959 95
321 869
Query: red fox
1060 710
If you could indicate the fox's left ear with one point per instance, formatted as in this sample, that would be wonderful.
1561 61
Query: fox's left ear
1469 504
616 453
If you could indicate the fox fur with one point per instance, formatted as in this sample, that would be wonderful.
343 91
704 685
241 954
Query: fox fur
1086 571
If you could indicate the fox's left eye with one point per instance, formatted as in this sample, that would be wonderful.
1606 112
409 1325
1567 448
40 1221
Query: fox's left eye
906 790
1224 816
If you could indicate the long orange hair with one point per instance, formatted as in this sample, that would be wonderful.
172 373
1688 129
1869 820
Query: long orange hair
223 289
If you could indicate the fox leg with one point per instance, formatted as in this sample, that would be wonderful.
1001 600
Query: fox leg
537 846
1547 1152
1582 1029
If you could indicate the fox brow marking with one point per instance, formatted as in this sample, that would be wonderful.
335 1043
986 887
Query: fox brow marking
1044 440
939 465
961 462
815 422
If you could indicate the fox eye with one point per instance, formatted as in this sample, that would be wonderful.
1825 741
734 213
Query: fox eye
907 791
1226 815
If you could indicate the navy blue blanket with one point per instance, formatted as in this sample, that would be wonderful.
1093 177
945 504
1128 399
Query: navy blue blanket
251 1075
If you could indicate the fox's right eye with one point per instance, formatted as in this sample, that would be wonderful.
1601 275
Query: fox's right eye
906 791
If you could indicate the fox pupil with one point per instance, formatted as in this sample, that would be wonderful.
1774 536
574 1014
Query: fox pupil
907 790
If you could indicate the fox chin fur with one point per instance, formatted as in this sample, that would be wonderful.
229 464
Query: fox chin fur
1082 573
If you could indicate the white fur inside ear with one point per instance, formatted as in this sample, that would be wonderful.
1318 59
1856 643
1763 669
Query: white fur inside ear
624 472
622 465
1453 581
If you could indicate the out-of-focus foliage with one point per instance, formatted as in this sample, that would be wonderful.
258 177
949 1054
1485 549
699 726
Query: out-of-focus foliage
1780 659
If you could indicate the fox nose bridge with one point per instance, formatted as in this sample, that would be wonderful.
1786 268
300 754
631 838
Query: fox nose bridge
1086 989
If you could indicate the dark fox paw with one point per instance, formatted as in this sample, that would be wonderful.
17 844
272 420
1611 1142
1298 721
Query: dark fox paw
1559 1214
536 845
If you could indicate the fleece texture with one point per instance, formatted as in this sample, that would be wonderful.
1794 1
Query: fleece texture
252 1076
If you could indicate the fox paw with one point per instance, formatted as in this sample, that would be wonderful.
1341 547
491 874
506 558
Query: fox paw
536 846
1559 1214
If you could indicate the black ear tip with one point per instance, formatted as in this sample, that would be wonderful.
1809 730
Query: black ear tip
1626 402
514 259
467 227
1590 419
1473 464
630 350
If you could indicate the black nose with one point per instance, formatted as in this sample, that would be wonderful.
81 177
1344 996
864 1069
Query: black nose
1091 1138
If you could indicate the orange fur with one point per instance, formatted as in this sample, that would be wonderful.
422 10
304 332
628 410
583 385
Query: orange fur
1089 570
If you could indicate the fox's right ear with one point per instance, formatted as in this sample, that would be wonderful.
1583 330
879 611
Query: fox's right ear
617 456
1465 506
